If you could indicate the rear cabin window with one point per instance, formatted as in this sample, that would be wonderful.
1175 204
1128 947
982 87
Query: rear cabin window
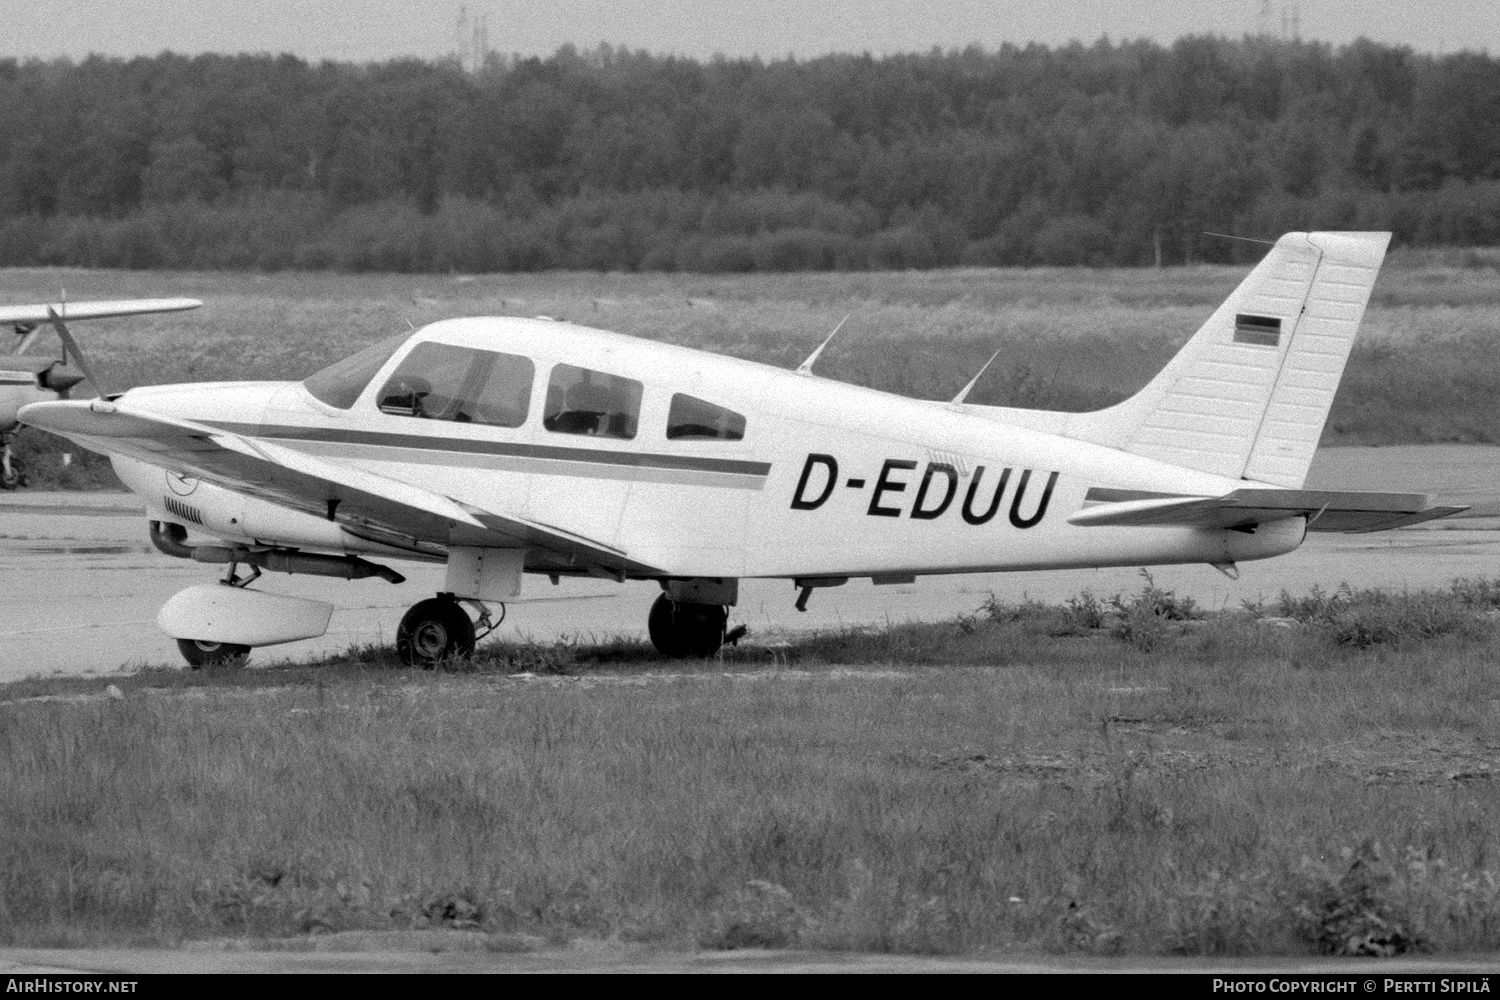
694 419
583 401
443 382
341 383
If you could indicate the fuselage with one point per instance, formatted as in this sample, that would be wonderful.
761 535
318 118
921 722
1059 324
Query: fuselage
824 479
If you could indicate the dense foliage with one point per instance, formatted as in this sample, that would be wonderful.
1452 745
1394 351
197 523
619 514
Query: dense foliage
1111 153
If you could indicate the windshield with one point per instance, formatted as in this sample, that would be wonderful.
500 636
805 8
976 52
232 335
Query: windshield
341 382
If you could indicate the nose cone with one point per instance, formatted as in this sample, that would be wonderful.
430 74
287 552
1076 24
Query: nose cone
60 378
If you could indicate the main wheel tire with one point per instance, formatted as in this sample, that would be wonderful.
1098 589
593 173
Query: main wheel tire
202 653
679 629
434 630
664 634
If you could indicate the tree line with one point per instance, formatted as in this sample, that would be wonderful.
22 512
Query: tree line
1111 153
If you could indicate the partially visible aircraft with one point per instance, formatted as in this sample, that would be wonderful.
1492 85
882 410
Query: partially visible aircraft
29 378
504 446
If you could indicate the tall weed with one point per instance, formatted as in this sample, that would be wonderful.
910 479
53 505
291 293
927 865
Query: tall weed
1369 617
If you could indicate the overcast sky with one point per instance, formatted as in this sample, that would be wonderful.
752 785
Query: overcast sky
379 29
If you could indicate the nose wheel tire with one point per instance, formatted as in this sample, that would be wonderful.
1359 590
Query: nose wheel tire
679 629
434 630
202 653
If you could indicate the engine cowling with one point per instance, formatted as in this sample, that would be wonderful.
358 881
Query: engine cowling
229 515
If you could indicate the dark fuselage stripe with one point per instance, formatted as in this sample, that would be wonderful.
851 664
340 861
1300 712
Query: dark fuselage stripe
472 446
539 466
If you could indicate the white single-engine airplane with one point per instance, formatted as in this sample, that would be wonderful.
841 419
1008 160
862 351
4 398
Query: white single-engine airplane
502 446
29 378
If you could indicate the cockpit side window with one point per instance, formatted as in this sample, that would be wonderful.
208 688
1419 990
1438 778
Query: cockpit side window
691 418
583 401
503 396
443 382
341 383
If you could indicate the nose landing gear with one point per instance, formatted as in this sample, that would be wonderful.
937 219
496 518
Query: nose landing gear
200 653
10 476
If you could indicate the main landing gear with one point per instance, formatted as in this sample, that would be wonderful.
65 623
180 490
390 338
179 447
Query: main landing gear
439 629
680 629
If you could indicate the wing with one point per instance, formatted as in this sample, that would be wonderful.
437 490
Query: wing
366 504
1325 510
33 315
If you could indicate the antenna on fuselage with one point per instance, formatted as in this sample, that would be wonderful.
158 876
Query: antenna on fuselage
964 392
805 368
28 334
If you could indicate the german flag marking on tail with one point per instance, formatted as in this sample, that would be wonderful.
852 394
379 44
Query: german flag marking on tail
1262 331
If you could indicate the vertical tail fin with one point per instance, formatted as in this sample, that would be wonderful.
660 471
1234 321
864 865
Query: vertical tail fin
1248 395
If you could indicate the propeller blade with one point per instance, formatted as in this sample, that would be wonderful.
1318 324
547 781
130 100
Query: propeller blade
72 345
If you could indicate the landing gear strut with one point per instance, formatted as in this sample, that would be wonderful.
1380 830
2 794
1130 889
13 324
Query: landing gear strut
201 653
434 630
681 629
10 476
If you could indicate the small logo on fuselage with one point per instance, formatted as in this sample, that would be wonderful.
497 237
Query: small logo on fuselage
183 486
933 494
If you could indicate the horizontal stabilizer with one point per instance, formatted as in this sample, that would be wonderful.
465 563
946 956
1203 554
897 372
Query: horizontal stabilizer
1325 510
37 314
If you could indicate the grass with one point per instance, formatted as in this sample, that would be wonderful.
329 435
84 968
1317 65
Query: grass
1025 777
1072 339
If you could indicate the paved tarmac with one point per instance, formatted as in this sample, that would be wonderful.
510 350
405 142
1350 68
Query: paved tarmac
80 583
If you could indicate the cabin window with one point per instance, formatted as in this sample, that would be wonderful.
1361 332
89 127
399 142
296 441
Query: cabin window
443 382
582 401
691 418
341 383
503 393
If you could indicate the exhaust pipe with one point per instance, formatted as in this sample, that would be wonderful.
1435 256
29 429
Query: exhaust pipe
172 539
345 567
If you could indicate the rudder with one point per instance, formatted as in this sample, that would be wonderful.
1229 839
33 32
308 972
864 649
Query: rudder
1314 361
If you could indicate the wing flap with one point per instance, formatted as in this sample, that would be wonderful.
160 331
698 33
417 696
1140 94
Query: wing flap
1325 510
